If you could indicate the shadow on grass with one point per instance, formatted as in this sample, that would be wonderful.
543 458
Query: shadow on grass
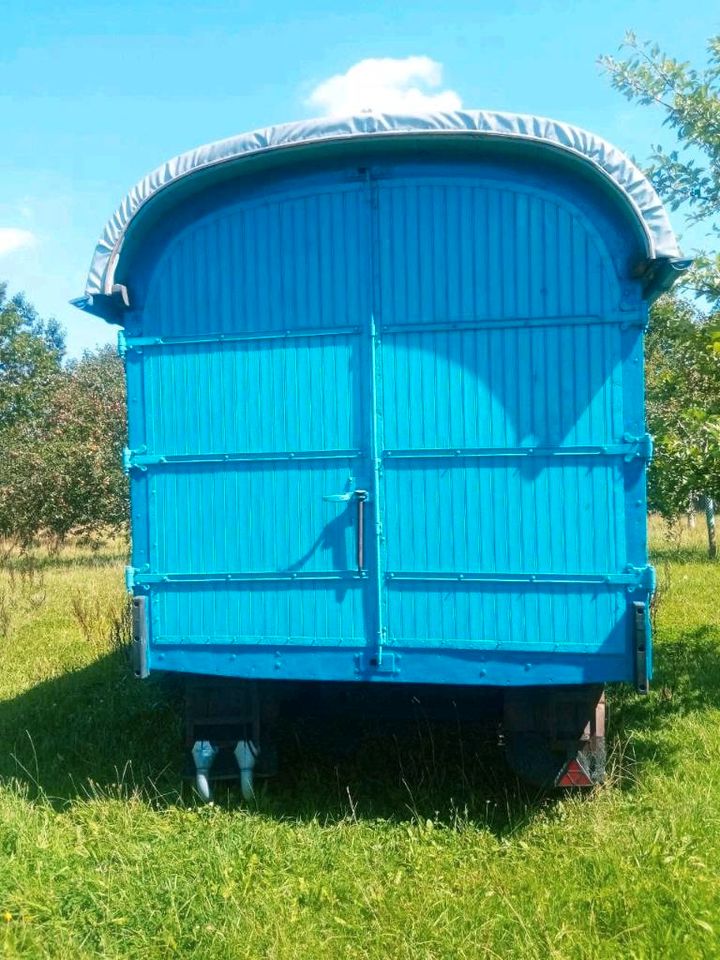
686 681
668 551
98 726
64 561
95 724
89 730
422 766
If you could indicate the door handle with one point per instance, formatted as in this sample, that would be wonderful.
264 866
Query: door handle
361 498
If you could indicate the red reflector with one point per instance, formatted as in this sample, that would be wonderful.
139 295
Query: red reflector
574 775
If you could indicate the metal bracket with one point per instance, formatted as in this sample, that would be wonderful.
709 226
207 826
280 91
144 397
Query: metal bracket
658 274
121 344
139 637
388 664
111 306
641 637
119 293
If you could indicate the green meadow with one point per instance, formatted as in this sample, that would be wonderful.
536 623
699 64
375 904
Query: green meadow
413 846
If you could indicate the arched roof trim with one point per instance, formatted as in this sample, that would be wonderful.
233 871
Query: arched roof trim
608 162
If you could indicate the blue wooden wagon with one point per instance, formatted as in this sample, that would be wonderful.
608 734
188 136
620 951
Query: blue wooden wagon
385 404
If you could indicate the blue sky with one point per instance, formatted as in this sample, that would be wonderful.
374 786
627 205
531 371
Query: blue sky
93 95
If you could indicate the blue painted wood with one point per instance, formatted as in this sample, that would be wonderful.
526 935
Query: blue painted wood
412 332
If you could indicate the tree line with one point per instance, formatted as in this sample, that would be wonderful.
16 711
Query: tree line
683 344
62 422
62 430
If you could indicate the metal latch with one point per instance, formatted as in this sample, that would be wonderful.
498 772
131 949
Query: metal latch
350 494
361 497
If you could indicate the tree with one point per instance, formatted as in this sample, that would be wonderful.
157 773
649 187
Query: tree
683 410
687 177
85 443
31 352
62 429
682 347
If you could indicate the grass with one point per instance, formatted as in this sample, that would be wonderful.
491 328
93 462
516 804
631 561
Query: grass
425 850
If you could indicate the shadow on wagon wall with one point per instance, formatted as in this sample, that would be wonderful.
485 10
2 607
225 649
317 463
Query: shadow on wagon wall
98 726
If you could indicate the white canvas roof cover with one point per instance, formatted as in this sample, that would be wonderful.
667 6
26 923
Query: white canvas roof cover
606 159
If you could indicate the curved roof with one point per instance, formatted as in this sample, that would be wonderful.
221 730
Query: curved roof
601 155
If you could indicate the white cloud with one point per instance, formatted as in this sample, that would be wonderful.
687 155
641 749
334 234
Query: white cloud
385 85
13 238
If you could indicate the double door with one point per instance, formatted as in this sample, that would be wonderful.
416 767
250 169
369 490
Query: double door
377 419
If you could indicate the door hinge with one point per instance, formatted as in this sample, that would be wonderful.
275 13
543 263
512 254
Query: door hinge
132 576
129 459
641 447
645 578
